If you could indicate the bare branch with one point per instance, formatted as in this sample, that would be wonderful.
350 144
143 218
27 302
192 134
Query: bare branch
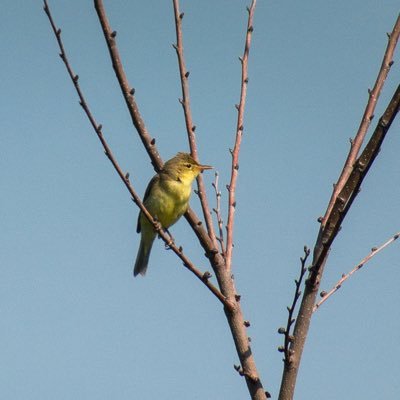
238 140
127 91
325 296
290 321
368 115
325 239
224 275
125 176
190 127
217 211
351 187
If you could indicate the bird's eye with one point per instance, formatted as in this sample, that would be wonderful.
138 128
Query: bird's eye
188 165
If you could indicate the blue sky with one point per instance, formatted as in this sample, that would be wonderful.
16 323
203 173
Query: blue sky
75 324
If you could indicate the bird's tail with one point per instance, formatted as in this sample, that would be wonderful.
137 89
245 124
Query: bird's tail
142 258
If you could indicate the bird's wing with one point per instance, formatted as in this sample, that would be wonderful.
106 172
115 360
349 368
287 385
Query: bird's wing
155 179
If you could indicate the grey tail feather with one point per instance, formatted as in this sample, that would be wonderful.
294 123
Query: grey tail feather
142 259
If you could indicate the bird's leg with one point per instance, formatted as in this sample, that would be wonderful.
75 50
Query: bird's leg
171 239
158 226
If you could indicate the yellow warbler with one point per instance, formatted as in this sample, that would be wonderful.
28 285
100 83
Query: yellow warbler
167 199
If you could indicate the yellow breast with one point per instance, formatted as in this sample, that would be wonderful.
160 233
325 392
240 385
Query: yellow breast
168 201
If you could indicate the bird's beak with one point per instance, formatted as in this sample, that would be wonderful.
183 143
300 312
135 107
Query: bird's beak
204 167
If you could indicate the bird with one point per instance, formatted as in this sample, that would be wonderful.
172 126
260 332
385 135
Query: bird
167 199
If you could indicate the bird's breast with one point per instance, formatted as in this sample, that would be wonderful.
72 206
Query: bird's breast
170 203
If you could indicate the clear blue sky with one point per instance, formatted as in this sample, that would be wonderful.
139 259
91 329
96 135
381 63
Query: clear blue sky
74 322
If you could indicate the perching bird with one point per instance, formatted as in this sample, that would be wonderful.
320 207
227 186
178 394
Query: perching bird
167 199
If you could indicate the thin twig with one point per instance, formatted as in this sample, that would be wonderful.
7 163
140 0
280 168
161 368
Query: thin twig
338 285
217 211
367 117
125 177
238 139
149 143
287 332
190 127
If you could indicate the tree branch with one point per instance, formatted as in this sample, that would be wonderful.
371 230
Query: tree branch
204 277
325 239
343 196
234 315
368 115
190 127
290 321
217 211
238 139
127 91
352 186
374 251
